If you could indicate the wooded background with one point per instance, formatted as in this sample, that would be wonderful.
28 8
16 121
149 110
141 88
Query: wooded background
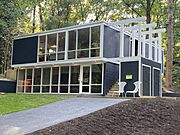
19 17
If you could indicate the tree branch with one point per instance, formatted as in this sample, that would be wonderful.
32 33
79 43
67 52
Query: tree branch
128 5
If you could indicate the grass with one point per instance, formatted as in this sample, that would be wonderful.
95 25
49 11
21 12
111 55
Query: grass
17 102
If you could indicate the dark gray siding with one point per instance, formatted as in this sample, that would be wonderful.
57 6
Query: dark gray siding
129 68
146 80
111 75
111 43
25 50
7 86
156 84
127 46
155 65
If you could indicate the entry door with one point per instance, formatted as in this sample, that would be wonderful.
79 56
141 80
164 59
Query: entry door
85 79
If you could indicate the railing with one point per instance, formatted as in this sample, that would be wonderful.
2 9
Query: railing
143 33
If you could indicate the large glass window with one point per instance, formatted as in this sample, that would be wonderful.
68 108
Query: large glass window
21 80
46 80
29 80
37 80
51 47
75 78
95 41
96 80
64 81
55 78
72 45
42 44
61 46
37 76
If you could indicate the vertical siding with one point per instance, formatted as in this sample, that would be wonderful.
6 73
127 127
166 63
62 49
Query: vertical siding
130 68
111 75
111 43
156 65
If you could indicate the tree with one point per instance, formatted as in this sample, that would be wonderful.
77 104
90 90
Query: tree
170 44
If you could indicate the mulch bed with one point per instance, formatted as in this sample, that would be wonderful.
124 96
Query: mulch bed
157 116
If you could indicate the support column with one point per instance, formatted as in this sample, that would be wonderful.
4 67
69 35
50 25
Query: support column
122 41
159 47
133 43
139 39
66 45
150 43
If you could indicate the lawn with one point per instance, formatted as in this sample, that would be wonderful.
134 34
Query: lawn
17 102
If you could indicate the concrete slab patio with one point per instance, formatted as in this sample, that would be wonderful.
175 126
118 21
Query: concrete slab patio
37 118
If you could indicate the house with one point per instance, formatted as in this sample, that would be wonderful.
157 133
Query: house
90 58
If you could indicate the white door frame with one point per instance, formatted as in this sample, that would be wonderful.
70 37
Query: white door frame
81 79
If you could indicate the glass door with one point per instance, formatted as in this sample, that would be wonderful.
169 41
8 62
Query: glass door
85 79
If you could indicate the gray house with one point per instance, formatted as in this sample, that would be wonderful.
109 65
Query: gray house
90 59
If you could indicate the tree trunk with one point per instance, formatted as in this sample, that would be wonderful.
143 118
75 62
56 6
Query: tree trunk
170 44
41 18
148 11
34 17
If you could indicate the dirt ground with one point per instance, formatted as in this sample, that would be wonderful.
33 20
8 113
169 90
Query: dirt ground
157 116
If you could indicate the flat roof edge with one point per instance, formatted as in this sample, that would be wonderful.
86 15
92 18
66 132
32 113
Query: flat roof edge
60 29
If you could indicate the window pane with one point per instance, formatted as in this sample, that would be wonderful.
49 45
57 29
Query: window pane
41 58
55 75
64 75
95 52
72 40
28 89
42 45
75 74
83 54
37 76
21 77
29 77
64 89
96 74
83 38
86 75
61 41
61 56
46 76
54 89
45 89
51 43
20 88
95 37
51 57
74 89
36 89
71 55
96 89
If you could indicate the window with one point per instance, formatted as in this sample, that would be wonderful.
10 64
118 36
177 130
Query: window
64 81
95 41
42 44
51 47
83 43
75 78
21 80
96 80
37 80
72 45
29 80
61 46
46 80
55 78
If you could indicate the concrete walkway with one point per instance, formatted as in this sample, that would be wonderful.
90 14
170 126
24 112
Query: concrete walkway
45 116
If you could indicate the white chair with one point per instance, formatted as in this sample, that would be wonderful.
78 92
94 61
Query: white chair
122 84
135 89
